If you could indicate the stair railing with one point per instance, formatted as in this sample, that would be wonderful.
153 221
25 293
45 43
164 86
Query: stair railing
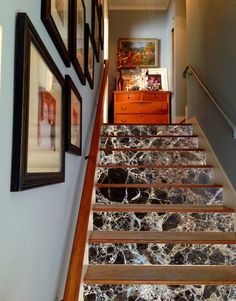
189 70
74 275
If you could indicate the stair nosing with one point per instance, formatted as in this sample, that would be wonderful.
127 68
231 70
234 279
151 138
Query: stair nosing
121 185
153 149
161 237
160 208
169 274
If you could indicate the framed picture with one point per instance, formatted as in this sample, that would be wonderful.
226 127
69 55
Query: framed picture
95 27
162 72
154 82
56 18
77 38
89 56
138 53
74 118
38 156
101 27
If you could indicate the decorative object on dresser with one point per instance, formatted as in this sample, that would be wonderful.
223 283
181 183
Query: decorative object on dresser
142 106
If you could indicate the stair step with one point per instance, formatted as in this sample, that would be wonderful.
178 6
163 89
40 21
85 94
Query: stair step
146 237
149 142
124 195
152 157
164 221
190 175
160 208
158 185
169 275
183 129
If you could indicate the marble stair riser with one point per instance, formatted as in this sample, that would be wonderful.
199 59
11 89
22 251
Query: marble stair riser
162 254
159 130
149 142
180 157
153 221
159 195
159 293
154 175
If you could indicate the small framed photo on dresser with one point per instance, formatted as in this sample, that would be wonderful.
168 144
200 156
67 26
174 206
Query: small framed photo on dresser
55 15
73 118
38 154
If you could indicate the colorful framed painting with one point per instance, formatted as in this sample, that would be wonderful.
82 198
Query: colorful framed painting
138 53
95 27
74 118
38 154
56 18
89 56
101 27
77 38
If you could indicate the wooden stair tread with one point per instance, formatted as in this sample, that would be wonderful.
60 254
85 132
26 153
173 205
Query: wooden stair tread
122 185
170 275
127 149
161 208
155 166
149 136
163 237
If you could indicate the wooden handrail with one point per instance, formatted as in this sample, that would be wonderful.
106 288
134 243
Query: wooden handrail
74 275
189 70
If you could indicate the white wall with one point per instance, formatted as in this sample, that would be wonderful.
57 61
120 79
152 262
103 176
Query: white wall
135 24
36 225
211 40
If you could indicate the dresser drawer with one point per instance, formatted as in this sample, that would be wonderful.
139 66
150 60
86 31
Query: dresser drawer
129 96
141 118
160 107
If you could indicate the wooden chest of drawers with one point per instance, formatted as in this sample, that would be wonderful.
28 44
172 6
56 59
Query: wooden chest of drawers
142 107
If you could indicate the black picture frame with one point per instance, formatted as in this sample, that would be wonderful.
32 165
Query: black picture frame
73 118
89 56
101 27
77 38
38 153
95 27
58 24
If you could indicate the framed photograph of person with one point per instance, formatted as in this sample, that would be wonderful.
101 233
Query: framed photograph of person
73 118
77 38
95 27
38 154
89 56
101 26
56 18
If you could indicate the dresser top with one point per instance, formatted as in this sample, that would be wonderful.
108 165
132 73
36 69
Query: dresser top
143 91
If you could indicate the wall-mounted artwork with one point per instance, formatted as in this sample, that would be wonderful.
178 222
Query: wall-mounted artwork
138 53
38 155
77 38
56 18
89 56
101 26
74 118
95 27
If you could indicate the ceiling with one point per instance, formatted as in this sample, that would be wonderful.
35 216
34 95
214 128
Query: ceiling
138 4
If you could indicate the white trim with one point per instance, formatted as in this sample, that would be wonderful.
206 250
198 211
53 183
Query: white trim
219 176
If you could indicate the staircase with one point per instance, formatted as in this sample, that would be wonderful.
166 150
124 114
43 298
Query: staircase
160 229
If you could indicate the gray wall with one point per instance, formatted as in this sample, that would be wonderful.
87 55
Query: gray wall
211 40
135 24
36 225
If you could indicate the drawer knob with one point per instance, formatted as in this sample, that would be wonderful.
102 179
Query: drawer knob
123 108
123 120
